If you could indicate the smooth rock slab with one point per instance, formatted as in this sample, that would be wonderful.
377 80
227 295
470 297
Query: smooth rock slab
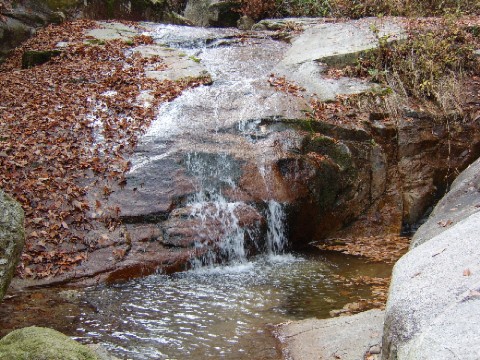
345 338
341 43
433 308
337 44
12 239
179 65
113 31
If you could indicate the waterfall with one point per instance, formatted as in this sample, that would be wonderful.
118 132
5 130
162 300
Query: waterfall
231 246
220 235
276 234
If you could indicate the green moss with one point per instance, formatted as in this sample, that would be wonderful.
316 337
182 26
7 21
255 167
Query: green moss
36 343
193 58
332 148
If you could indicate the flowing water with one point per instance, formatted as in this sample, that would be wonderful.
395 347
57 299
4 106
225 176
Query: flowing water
215 312
224 307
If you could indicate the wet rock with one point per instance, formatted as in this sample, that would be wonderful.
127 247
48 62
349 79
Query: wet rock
335 177
348 338
178 64
287 23
209 223
152 193
42 343
12 239
216 13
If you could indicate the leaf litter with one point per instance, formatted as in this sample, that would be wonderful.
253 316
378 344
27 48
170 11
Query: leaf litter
62 133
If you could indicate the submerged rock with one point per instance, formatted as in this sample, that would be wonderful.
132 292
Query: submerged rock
12 239
206 224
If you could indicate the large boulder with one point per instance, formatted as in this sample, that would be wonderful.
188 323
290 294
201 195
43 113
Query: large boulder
338 44
12 239
37 343
435 292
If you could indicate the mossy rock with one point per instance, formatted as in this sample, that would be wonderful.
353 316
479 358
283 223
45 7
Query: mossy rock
37 343
335 149
34 58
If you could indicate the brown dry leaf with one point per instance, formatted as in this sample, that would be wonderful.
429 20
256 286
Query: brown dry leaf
388 248
445 223
52 158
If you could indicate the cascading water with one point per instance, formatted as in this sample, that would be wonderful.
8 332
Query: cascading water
201 121
276 235
226 241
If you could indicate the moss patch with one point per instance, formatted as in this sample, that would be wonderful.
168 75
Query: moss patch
333 148
34 58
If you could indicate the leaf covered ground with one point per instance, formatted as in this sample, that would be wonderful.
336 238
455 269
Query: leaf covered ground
62 134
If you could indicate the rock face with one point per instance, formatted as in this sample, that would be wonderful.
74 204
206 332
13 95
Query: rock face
132 10
348 337
435 292
36 343
12 239
218 13
462 200
21 22
241 141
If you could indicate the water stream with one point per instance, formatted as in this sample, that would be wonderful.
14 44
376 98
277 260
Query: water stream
222 307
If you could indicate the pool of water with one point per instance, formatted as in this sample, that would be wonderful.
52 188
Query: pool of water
208 313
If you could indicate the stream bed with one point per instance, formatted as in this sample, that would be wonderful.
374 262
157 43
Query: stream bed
208 313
